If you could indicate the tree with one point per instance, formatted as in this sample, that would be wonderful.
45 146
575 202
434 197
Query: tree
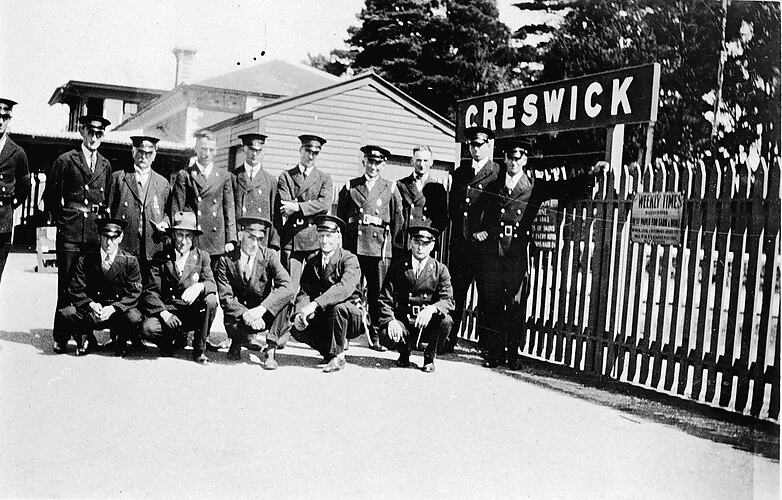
438 51
684 36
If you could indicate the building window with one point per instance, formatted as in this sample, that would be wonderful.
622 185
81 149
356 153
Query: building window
129 109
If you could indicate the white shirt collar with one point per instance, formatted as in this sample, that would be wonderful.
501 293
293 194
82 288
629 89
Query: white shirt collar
326 257
417 265
512 180
87 153
144 174
251 171
478 165
304 170
111 256
205 170
371 182
3 140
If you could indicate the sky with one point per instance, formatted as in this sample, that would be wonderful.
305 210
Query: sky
46 43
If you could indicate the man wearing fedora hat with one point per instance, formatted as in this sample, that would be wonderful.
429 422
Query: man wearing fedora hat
138 196
253 288
180 293
467 199
14 180
103 292
304 193
372 209
77 185
326 313
255 189
417 299
506 225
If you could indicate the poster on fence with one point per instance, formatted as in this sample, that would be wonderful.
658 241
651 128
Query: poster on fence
656 218
544 227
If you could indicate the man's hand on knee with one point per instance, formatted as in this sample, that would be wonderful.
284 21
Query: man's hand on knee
395 330
171 320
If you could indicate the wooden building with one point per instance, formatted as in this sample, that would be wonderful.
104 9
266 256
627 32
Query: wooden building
365 109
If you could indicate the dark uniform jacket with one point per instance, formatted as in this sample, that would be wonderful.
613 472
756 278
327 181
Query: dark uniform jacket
315 195
468 199
14 182
269 286
373 219
426 206
509 216
212 200
258 199
402 291
120 286
164 288
74 196
139 210
335 284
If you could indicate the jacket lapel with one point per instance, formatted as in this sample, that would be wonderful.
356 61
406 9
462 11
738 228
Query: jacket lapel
303 184
241 179
116 266
189 265
198 179
427 270
83 165
360 193
7 149
331 267
130 180
101 164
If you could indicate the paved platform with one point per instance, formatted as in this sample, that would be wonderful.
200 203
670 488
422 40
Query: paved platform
100 426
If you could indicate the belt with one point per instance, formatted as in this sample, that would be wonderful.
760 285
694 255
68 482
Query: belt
369 220
82 207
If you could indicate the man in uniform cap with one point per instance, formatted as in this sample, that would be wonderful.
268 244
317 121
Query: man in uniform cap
14 180
417 299
180 294
255 190
466 203
103 292
326 314
372 209
515 198
304 192
254 288
207 191
77 187
138 196
424 200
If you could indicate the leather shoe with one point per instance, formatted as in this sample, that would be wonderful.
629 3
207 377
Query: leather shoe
491 363
404 360
270 363
336 364
84 348
234 354
428 366
60 347
200 358
323 362
254 345
225 344
377 346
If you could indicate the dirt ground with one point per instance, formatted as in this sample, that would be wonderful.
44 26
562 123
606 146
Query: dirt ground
100 426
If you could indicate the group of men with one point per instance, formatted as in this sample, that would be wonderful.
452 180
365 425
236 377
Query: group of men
152 261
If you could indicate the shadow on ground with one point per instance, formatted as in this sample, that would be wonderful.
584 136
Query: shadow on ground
636 403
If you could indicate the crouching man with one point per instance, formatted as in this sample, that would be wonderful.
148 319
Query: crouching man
416 300
326 314
104 292
254 288
181 294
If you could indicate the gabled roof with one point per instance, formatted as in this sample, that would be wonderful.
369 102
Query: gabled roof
273 77
360 80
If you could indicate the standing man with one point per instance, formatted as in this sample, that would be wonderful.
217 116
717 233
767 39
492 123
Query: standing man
424 200
181 293
206 190
515 199
304 193
103 292
77 185
138 196
372 209
14 180
326 313
254 288
255 190
466 204
417 299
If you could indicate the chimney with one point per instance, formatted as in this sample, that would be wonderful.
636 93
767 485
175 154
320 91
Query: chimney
184 61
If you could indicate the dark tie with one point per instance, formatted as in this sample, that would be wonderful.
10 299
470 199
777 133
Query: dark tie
106 264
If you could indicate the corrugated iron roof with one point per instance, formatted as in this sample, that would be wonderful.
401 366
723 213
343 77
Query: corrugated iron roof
121 138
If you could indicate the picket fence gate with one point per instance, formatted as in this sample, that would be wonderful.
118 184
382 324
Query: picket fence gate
699 320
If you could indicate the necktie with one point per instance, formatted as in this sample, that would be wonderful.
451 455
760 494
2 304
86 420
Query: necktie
107 263
248 267
91 161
